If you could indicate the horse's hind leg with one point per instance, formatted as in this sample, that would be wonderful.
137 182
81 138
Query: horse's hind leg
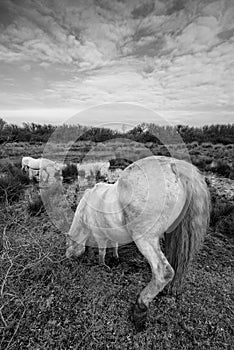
102 252
162 274
114 261
115 249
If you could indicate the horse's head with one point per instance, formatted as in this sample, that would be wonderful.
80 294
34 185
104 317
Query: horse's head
24 163
74 248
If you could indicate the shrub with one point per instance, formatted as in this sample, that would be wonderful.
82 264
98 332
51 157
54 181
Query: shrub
219 211
199 162
195 152
231 176
194 144
223 169
225 225
229 147
35 206
70 173
218 146
222 213
12 183
207 145
121 163
99 177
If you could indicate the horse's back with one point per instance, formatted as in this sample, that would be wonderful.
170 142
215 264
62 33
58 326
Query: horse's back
151 194
104 214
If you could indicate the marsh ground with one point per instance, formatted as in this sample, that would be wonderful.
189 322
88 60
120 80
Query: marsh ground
50 302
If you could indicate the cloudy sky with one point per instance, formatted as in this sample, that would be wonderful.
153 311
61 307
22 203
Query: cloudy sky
175 57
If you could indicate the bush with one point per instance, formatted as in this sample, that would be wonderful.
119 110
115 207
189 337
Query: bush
225 225
121 163
231 176
70 173
207 145
222 214
195 152
199 162
35 206
12 183
222 168
219 211
99 177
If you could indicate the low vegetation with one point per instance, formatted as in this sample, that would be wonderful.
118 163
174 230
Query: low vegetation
35 204
70 173
12 183
50 302
143 133
222 214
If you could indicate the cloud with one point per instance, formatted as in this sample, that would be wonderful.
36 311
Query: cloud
94 32
171 55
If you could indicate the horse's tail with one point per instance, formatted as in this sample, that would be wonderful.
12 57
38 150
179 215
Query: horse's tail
184 241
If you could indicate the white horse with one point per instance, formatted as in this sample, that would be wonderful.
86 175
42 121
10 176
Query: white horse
86 170
154 198
37 165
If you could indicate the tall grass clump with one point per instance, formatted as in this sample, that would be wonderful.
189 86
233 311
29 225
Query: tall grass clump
12 183
35 205
222 214
70 173
222 168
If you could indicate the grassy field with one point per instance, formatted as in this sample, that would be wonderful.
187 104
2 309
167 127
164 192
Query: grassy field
50 302
203 153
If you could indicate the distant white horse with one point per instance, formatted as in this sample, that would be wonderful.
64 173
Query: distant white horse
86 170
154 197
36 165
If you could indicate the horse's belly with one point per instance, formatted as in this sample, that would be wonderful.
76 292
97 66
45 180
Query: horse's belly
113 234
111 228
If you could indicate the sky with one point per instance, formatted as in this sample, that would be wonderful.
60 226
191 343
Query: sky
137 60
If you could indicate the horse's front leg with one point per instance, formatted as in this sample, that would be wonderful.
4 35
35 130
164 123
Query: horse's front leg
162 274
30 173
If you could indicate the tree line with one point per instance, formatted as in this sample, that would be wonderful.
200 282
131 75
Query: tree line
144 132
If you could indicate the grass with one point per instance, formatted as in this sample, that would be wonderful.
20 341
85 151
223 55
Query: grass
70 173
35 206
12 183
50 302
201 155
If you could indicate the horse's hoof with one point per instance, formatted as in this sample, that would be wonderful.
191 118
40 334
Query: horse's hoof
105 266
138 315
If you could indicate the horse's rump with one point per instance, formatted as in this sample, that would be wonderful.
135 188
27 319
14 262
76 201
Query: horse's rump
152 196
